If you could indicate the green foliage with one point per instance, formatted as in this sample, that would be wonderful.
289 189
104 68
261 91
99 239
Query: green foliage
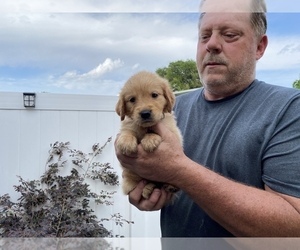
182 75
296 84
58 205
57 244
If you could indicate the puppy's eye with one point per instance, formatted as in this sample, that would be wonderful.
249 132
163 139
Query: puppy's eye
132 99
154 95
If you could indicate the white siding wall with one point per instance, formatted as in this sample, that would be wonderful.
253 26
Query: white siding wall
26 135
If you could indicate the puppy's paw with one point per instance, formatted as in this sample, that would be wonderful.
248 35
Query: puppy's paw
150 142
127 144
148 189
171 189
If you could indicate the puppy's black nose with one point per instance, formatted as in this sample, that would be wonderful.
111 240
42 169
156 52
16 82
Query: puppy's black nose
145 114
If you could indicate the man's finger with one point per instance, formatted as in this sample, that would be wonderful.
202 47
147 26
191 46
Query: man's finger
135 195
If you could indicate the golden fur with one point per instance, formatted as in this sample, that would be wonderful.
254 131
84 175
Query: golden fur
145 99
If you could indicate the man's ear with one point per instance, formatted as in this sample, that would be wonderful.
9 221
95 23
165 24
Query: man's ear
261 47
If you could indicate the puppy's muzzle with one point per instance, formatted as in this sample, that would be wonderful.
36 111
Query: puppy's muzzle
146 114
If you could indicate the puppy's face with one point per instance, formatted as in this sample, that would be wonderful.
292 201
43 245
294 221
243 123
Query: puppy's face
145 98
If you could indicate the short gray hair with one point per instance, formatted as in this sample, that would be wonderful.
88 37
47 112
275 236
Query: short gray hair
258 16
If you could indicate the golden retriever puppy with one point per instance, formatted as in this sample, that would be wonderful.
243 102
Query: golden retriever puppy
145 99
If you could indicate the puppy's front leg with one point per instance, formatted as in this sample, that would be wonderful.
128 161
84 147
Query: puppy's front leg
150 142
127 143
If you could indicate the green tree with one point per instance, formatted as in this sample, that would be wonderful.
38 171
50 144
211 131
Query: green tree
59 204
182 75
296 84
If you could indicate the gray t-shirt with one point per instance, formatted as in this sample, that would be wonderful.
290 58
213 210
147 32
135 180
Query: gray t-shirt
252 137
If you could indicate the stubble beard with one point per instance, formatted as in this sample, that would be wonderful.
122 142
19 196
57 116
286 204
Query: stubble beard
230 81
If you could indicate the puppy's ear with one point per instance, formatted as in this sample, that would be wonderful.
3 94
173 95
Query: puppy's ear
121 108
170 98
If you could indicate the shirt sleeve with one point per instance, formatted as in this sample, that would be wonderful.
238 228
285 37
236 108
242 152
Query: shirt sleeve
281 161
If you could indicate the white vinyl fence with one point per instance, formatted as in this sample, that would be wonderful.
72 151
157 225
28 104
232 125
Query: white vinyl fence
83 120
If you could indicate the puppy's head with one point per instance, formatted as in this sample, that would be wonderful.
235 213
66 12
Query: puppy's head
145 98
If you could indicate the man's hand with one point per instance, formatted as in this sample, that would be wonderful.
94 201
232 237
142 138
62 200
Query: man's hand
158 199
162 164
159 165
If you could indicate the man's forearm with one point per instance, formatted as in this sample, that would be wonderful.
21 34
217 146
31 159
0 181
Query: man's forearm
242 210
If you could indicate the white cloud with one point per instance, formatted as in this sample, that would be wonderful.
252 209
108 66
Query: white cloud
107 66
290 48
65 42
281 63
95 77
70 45
81 6
282 53
100 6
136 66
61 42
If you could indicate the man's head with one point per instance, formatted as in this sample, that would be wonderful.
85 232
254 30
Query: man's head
231 39
257 8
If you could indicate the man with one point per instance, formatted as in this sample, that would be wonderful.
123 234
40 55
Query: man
239 171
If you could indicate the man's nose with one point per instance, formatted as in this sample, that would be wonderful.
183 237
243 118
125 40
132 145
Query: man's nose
214 44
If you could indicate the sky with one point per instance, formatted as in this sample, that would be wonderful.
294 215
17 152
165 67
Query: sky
94 46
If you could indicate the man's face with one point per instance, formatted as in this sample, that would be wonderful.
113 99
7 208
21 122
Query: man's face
226 52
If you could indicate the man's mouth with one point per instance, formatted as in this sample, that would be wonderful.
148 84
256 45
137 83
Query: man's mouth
213 64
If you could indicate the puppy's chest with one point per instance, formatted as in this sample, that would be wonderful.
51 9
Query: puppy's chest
141 132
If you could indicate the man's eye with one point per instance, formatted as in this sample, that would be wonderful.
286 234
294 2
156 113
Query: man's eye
204 37
132 99
154 95
231 36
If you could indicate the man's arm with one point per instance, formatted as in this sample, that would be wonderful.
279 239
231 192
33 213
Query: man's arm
242 210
